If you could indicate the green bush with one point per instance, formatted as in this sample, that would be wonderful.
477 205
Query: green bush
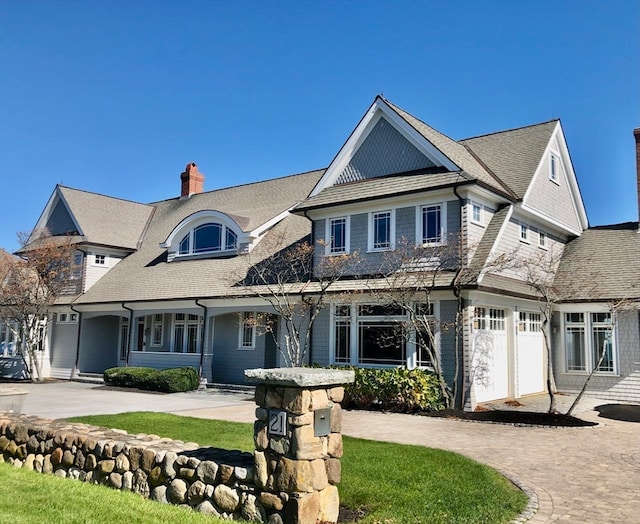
397 389
171 380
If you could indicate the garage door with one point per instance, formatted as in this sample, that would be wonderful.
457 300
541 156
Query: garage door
530 354
489 360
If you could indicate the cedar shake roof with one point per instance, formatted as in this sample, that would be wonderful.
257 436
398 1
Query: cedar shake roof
603 264
513 155
147 276
106 220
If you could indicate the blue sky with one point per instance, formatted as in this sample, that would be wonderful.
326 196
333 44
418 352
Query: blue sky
116 97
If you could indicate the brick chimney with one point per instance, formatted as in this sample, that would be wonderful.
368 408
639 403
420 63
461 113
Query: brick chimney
636 134
192 181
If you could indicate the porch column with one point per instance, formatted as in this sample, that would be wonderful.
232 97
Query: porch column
298 441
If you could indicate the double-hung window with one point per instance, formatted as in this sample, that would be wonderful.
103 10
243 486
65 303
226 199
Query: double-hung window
186 333
382 229
587 338
338 231
476 213
524 232
431 228
247 330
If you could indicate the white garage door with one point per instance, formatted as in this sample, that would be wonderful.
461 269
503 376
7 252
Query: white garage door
530 354
489 360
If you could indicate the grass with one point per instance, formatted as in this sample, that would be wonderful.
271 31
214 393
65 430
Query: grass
393 483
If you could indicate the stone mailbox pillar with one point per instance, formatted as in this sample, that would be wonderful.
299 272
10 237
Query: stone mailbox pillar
299 442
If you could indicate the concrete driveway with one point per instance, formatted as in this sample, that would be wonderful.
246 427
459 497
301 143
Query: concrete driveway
580 475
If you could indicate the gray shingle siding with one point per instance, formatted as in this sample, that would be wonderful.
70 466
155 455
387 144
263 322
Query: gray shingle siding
60 222
448 310
385 151
99 344
320 338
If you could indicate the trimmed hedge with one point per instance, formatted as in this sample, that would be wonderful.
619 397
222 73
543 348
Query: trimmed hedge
171 380
396 389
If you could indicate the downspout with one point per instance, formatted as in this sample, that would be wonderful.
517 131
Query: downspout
203 337
459 313
126 361
76 370
313 244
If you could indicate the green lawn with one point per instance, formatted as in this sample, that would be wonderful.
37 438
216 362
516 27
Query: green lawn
393 483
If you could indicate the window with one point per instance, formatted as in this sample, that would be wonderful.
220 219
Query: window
530 322
542 239
381 230
476 213
67 318
553 168
489 318
100 260
157 330
124 337
186 333
337 235
587 337
431 226
524 232
208 238
380 335
247 332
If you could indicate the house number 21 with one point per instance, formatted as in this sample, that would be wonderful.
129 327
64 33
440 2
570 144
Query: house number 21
278 423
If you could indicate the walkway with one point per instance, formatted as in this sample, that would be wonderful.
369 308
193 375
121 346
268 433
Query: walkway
580 475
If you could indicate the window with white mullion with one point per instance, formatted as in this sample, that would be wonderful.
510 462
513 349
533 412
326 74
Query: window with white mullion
247 330
382 230
588 336
432 224
337 236
157 329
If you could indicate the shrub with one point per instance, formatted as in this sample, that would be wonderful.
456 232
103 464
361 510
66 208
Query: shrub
397 389
171 380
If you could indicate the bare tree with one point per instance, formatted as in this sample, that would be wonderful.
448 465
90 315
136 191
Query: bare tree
29 287
296 290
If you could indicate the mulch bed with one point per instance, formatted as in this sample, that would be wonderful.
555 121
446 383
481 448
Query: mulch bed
518 418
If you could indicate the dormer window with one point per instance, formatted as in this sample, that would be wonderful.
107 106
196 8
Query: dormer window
208 238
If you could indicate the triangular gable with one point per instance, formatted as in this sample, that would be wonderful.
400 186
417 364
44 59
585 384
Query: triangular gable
383 143
556 197
57 218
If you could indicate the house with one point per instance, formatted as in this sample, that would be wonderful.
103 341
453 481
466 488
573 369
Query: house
158 282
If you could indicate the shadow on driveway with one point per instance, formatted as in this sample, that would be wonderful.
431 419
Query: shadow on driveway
624 412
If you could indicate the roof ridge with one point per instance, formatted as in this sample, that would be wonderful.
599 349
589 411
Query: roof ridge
128 200
244 185
509 130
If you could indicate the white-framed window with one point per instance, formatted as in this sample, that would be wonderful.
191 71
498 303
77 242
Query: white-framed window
432 224
67 318
8 339
124 337
588 336
157 330
247 330
529 322
337 236
100 260
554 167
542 239
476 213
211 237
186 333
381 230
489 318
524 232
380 335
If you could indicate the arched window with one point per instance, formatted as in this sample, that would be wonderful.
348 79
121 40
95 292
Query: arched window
208 238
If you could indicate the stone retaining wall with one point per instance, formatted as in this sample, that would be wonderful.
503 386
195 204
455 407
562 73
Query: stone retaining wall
209 480
290 478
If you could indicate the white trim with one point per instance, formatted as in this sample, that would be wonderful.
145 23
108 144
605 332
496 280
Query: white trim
392 230
328 238
523 227
588 356
377 110
480 221
499 236
55 197
542 239
443 223
241 326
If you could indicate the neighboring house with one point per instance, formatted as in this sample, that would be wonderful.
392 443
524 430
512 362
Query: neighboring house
158 289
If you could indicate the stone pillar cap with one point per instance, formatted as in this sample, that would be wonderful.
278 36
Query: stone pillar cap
300 377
